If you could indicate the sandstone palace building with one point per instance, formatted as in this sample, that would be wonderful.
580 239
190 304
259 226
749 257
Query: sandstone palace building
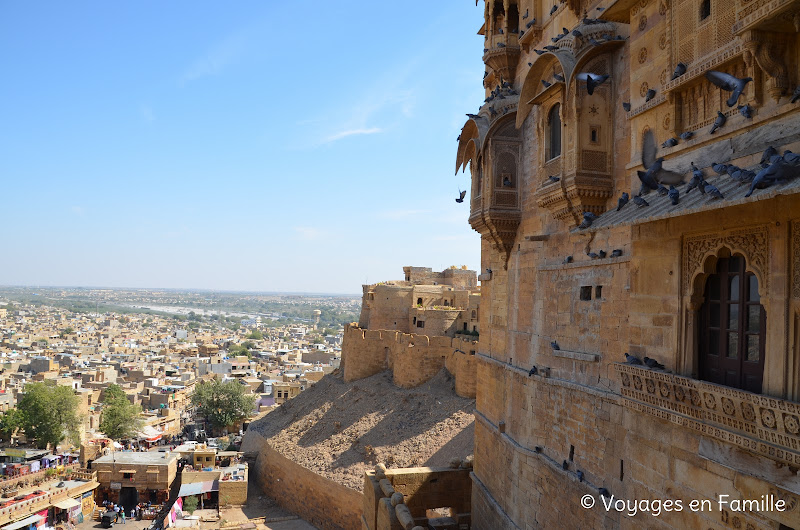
708 286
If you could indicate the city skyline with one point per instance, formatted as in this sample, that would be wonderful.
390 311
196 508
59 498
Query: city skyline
187 146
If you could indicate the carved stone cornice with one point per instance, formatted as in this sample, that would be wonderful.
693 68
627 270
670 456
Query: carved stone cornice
752 243
763 425
755 12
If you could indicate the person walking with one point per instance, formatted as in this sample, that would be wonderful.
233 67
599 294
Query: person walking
122 513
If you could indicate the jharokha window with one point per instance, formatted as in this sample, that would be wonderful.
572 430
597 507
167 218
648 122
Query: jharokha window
733 327
554 132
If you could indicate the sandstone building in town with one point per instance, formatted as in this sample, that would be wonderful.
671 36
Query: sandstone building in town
709 287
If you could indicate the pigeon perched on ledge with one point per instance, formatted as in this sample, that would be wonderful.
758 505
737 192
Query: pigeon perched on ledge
633 360
652 363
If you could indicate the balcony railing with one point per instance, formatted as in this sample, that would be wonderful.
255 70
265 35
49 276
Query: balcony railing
760 424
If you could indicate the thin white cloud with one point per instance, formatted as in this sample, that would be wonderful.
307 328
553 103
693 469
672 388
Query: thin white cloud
307 232
147 113
351 132
216 59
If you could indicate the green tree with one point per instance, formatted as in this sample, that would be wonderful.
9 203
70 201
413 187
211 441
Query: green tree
255 335
190 504
223 404
49 414
119 418
10 421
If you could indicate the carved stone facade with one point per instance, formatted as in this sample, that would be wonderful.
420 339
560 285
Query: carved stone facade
571 302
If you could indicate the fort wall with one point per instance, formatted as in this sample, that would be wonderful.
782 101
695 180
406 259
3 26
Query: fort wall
413 359
321 501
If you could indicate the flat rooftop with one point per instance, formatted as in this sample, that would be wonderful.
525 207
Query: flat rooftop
151 458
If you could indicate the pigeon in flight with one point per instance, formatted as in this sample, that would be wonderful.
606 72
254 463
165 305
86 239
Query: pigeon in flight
672 142
674 195
783 168
632 359
679 71
719 122
626 106
796 95
655 173
592 80
461 195
650 95
746 111
623 200
729 83
640 202
555 345
686 135
553 9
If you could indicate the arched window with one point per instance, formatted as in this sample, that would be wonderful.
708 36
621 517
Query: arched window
554 132
733 327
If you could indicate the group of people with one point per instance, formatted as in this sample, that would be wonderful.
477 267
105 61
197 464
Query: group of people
135 512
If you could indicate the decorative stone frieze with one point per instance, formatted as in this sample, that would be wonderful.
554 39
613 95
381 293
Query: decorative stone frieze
751 242
760 424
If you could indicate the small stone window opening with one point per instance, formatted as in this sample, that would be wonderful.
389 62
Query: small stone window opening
571 453
127 476
598 291
705 9
420 323
554 132
594 135
474 328
621 470
415 320
465 326
586 292
419 301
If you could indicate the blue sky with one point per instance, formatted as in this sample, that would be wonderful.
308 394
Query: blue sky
255 145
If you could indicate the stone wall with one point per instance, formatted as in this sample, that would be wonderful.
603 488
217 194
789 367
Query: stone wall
421 489
413 359
321 502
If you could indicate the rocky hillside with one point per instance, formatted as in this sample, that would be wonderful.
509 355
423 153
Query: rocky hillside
339 429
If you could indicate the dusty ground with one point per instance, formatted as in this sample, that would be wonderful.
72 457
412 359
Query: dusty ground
339 429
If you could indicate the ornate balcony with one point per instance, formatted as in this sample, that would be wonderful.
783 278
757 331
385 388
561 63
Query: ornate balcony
760 424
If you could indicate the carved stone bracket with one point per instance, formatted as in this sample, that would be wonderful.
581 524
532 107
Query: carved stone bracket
769 51
753 243
760 424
